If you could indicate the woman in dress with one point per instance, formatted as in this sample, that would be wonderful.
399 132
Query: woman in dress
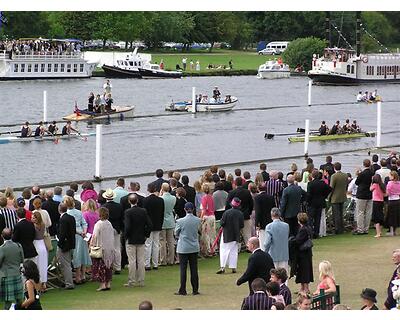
90 214
207 217
80 256
37 204
219 197
304 274
43 256
32 287
198 197
103 237
393 211
378 189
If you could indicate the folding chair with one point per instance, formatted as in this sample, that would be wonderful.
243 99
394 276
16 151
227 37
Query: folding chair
54 274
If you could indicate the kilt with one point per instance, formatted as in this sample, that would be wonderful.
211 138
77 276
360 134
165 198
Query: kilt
11 289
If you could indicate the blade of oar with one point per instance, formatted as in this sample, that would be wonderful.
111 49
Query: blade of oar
79 134
269 136
10 132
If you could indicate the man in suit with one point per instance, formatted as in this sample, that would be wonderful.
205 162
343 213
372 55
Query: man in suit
190 192
52 208
222 177
317 192
338 196
116 217
247 177
390 301
279 275
24 234
263 171
155 209
328 166
263 204
364 198
246 205
66 244
259 300
259 264
167 251
277 240
11 257
35 195
291 204
187 232
159 181
137 228
274 187
231 222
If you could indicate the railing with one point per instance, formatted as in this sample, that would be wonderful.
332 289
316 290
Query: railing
42 56
2 54
326 301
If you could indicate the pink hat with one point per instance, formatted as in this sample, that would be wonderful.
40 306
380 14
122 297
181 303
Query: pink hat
88 194
236 202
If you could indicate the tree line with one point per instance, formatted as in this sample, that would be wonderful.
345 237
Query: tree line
239 29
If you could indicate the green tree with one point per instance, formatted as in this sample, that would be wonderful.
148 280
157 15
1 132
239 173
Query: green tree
104 26
128 26
23 24
56 28
301 50
379 27
78 24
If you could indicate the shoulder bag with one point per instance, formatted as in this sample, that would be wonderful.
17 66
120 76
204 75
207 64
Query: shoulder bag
96 252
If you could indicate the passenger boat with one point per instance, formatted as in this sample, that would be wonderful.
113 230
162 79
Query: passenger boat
46 137
117 112
316 137
203 106
273 70
44 66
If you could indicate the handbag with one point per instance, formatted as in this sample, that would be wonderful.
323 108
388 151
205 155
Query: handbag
96 252
47 241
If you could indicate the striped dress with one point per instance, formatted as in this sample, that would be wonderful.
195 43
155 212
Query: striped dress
257 301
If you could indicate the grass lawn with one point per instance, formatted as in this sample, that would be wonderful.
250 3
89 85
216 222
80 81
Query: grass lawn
358 262
241 60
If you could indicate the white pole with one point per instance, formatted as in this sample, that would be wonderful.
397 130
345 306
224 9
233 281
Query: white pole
98 151
45 106
378 124
306 137
193 99
309 92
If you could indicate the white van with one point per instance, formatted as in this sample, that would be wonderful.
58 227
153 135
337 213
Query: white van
275 47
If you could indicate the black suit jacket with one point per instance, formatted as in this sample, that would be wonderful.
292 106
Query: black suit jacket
24 234
190 193
52 208
317 192
66 233
124 202
155 209
227 185
232 221
259 265
363 182
263 203
158 183
137 225
246 205
265 175
116 216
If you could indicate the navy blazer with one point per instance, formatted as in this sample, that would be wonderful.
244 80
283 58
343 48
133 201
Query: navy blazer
291 201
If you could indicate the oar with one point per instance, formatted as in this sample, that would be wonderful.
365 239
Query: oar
269 136
10 132
79 134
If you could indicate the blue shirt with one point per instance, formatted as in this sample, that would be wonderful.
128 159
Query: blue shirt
187 231
119 193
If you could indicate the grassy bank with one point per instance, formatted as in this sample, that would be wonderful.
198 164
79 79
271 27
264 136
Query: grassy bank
358 262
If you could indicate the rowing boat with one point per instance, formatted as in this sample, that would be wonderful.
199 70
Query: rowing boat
45 137
301 138
117 112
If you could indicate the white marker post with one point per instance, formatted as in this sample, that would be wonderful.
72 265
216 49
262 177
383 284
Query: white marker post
378 124
306 137
99 130
44 106
309 92
193 99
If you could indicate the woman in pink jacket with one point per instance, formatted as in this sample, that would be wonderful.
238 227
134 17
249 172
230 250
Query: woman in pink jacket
378 192
393 192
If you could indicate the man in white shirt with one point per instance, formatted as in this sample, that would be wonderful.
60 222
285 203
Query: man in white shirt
383 171
107 87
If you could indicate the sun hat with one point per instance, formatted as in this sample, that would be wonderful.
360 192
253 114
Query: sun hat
109 194
369 294
236 202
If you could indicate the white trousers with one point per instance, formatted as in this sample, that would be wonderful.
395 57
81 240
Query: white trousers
152 249
228 253
261 238
117 251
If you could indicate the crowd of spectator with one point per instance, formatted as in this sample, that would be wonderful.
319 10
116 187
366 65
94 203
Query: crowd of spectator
40 46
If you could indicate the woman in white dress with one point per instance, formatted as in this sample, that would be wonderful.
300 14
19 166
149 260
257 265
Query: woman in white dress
42 258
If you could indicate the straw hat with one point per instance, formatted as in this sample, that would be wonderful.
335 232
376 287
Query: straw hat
109 194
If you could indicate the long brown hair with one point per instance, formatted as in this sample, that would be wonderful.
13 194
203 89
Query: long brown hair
378 180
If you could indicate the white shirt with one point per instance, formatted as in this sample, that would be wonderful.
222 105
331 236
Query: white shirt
383 172
352 188
359 97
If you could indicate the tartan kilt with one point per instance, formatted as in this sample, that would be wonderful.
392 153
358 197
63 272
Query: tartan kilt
11 289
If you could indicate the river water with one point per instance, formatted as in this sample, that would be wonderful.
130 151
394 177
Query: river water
180 141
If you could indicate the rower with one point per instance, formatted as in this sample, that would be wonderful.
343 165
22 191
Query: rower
347 127
66 130
323 129
216 94
53 129
26 130
365 96
359 96
90 102
355 127
335 128
40 130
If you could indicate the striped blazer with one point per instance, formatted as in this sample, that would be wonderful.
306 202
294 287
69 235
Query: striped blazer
257 301
10 217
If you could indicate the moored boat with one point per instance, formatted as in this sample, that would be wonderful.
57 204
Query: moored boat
211 106
117 72
315 137
119 112
273 70
46 137
151 70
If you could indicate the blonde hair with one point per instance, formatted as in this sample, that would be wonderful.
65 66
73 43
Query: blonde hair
197 186
206 188
325 269
9 193
69 202
165 187
259 180
90 205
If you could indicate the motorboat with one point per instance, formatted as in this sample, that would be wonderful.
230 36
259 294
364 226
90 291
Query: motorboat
204 105
152 70
128 67
273 69
117 112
